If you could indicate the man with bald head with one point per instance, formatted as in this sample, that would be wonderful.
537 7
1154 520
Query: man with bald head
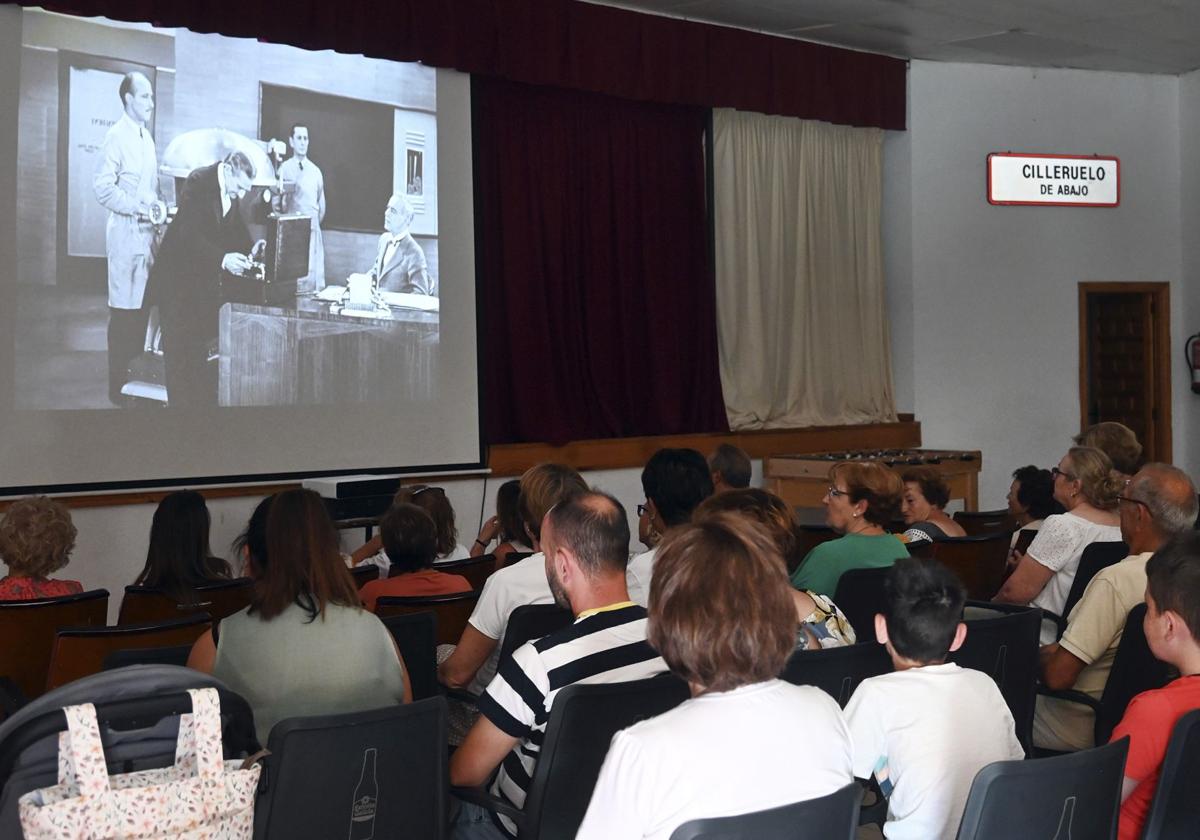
126 184
1158 502
400 263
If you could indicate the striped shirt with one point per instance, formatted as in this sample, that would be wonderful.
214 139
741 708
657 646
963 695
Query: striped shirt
605 646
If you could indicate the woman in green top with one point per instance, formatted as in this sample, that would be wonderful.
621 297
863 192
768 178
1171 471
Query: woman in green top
863 497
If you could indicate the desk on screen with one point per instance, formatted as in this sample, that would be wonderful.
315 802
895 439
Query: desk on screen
306 355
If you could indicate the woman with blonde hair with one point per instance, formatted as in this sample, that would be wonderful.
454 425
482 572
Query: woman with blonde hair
1087 486
36 539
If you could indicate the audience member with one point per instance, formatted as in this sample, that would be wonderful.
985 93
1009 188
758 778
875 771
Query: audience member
925 730
863 498
820 622
1172 628
925 495
586 543
433 501
304 646
1117 441
179 558
730 468
674 481
1084 483
410 540
1158 503
36 539
733 748
473 662
1030 500
505 528
251 544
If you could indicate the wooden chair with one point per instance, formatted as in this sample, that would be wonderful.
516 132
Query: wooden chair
451 611
28 629
142 605
475 569
979 522
809 537
81 651
364 574
978 561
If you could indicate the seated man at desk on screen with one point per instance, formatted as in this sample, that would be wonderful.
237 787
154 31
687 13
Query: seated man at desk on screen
400 263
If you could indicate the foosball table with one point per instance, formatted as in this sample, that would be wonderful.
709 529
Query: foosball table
802 480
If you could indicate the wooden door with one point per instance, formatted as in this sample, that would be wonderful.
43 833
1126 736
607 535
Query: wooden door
1125 360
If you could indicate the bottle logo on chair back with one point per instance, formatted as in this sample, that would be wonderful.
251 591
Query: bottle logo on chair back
366 798
1065 819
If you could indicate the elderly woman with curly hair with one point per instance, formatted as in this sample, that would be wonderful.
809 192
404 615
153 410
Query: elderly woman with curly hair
36 538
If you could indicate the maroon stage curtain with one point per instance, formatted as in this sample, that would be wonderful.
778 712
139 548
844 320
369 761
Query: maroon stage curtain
564 43
597 295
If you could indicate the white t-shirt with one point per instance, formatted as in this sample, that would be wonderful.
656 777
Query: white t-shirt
924 733
637 577
1058 546
718 755
521 583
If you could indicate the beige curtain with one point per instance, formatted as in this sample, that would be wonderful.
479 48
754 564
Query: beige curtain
799 271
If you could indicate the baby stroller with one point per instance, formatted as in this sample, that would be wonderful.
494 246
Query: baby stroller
138 710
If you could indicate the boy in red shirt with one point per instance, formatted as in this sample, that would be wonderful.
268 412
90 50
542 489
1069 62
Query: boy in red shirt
1172 624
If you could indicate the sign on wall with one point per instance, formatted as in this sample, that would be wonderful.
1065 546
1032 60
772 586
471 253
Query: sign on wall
1058 180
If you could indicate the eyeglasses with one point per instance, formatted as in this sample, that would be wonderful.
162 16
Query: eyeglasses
1055 472
834 492
417 491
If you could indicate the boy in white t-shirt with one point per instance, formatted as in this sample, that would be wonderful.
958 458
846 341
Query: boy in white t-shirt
925 730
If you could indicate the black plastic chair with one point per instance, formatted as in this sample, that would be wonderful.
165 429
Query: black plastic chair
837 671
378 773
414 634
582 722
1069 796
177 655
364 574
832 817
860 597
1175 811
1095 557
1006 648
530 622
1134 670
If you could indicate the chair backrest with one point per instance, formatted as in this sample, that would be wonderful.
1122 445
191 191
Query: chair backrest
414 634
452 611
176 655
837 671
1175 812
142 605
28 630
530 622
514 556
859 596
380 773
80 651
1076 795
978 561
1134 670
831 817
976 522
1024 537
475 569
364 574
582 722
1006 648
1097 556
809 537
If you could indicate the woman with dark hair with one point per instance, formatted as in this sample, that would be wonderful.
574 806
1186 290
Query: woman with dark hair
863 498
410 540
179 558
433 501
820 622
1030 500
925 495
505 528
723 619
304 646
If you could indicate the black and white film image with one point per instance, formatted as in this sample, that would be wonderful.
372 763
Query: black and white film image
208 221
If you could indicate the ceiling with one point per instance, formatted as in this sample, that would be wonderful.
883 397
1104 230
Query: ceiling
1135 36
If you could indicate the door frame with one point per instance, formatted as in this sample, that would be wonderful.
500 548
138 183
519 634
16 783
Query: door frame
1160 346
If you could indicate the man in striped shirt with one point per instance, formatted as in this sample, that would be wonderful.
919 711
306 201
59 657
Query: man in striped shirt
586 544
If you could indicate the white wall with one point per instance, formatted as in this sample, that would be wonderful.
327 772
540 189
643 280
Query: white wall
1187 416
994 331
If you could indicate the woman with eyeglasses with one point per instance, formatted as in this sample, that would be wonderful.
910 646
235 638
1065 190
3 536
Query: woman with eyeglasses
862 499
1087 486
